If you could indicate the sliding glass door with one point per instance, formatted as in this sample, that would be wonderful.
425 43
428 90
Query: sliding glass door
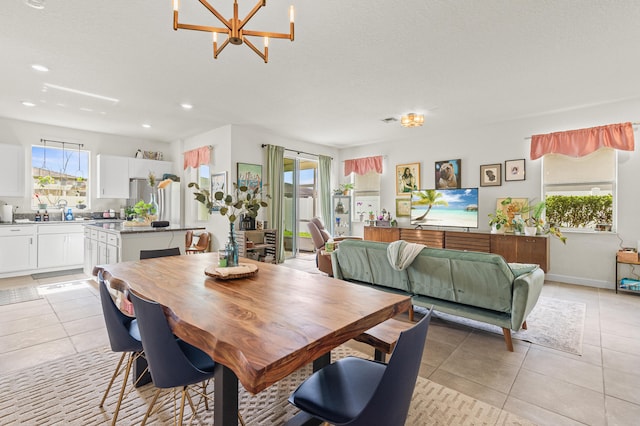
300 204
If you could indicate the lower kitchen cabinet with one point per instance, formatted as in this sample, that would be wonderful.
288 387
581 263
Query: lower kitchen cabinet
60 246
18 250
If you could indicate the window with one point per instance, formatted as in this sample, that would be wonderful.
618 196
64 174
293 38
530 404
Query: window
60 177
580 192
366 195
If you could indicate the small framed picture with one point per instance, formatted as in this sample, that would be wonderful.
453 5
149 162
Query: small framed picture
403 207
491 175
218 184
448 174
407 178
514 170
250 175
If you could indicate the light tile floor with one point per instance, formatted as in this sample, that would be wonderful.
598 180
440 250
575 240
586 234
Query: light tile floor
546 386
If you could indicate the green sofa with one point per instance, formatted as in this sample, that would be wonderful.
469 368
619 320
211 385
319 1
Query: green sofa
474 285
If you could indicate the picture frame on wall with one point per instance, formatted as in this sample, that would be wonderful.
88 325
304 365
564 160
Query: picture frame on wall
448 174
514 170
407 178
491 174
218 184
250 175
403 207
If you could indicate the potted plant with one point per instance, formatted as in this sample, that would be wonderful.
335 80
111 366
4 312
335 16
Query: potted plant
81 205
343 189
537 224
497 221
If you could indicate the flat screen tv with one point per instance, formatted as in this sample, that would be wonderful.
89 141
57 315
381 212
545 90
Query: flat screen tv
445 207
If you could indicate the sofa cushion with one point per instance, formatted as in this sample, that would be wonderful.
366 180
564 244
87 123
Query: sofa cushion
478 279
522 268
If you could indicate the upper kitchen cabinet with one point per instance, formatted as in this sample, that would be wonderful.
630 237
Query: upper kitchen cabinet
113 176
140 168
11 171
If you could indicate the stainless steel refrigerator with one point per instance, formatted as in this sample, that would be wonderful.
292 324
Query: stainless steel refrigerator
169 199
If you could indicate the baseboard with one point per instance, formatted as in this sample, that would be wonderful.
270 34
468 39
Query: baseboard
580 281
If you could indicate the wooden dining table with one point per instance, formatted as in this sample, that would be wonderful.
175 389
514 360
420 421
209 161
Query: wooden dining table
258 329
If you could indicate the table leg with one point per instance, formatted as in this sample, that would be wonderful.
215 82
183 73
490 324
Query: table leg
225 409
322 361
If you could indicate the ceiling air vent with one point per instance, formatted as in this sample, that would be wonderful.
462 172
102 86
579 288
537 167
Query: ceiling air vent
389 120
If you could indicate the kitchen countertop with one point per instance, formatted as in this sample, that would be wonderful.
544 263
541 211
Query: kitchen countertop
58 222
119 228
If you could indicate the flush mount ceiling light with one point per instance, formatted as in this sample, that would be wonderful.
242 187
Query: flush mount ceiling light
234 28
36 4
412 120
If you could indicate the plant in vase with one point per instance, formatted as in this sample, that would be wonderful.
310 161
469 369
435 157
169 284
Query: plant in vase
241 201
497 221
143 211
343 189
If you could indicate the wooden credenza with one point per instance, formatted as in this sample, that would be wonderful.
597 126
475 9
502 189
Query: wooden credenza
514 248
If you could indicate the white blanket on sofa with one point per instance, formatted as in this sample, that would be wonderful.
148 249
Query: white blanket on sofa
401 253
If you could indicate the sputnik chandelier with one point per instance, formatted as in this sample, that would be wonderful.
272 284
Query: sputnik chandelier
234 28
412 120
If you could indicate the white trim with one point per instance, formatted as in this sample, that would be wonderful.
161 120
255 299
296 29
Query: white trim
580 281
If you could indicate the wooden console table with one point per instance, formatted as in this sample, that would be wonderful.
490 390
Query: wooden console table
514 248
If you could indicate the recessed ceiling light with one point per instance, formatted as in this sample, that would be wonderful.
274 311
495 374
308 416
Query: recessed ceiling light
28 104
40 68
186 106
146 126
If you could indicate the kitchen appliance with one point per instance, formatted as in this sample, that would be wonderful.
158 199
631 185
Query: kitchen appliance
169 199
6 213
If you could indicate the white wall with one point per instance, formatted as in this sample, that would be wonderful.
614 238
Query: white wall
586 259
15 132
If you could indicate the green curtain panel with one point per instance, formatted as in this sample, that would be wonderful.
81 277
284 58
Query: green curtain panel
324 180
275 177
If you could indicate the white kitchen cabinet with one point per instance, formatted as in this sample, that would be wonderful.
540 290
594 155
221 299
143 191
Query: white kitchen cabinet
100 248
60 246
140 168
17 248
11 171
113 176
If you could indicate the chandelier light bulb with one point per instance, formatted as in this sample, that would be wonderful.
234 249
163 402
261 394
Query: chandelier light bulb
291 13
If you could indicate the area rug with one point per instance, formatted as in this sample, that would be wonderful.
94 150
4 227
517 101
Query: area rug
18 295
553 323
68 391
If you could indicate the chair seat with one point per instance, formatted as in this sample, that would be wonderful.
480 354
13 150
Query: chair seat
340 391
197 357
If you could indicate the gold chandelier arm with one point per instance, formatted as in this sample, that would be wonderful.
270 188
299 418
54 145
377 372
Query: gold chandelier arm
266 34
203 28
264 56
217 14
255 10
216 50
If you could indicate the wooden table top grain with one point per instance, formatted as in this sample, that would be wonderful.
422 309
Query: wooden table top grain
262 327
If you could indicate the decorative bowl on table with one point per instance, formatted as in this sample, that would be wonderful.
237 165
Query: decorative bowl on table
243 270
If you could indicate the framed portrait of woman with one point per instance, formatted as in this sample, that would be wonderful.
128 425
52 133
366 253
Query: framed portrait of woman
407 178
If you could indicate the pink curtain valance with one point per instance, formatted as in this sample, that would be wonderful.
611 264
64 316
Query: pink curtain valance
581 142
362 166
197 157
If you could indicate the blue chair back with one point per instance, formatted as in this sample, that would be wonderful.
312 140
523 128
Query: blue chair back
392 398
148 254
170 360
123 332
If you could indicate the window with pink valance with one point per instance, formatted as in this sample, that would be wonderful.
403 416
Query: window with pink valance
362 166
197 157
581 142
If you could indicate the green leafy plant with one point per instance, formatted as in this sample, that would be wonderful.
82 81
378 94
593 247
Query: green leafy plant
343 188
142 209
536 218
241 201
499 218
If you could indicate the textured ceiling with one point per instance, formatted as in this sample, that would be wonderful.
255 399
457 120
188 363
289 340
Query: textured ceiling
353 63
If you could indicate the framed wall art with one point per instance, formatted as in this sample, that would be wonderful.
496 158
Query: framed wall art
407 178
448 174
250 175
514 170
491 175
403 207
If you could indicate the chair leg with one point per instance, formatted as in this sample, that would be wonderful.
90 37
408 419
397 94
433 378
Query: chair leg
153 402
507 338
113 377
124 386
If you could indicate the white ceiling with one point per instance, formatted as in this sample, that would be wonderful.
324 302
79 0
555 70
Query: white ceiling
353 63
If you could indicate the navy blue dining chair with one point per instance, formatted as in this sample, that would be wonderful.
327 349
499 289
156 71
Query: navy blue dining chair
124 337
355 391
148 254
173 362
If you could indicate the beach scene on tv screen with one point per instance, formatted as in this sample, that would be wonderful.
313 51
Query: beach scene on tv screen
445 207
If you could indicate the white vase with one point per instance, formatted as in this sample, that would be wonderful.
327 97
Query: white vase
530 231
